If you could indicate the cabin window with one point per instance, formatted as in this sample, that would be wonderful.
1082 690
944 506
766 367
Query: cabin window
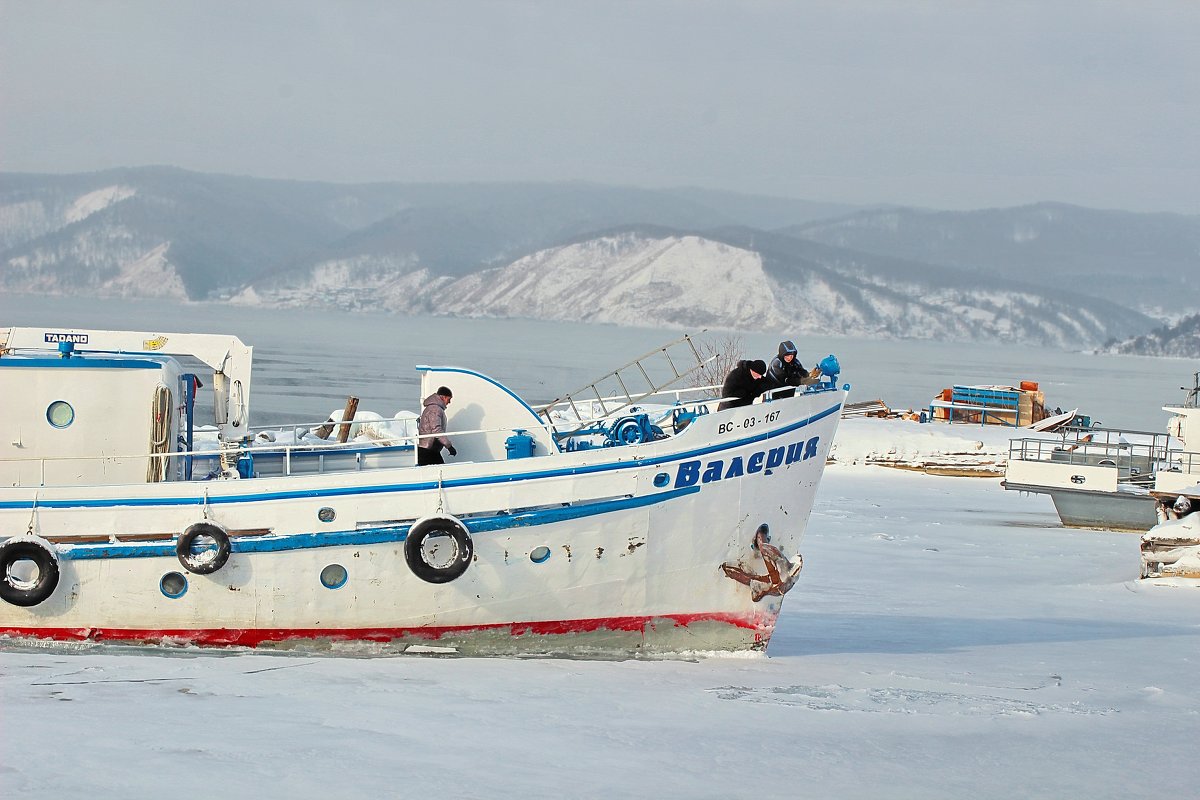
60 414
539 554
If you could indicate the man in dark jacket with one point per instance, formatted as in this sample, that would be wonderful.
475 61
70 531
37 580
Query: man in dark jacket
786 370
744 383
432 429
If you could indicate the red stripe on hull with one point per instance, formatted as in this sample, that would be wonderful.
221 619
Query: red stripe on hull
761 624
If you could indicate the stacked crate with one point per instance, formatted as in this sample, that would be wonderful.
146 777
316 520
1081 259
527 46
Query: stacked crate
1030 407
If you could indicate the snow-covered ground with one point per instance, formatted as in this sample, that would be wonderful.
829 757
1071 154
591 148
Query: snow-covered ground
947 639
904 443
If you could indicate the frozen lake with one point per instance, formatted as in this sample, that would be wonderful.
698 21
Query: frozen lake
947 639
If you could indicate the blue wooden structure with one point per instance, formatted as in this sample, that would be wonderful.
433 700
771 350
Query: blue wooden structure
992 404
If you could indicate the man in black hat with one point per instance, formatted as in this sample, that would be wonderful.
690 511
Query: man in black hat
744 383
432 428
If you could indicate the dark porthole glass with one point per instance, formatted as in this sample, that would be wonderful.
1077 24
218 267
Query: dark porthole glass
334 576
174 585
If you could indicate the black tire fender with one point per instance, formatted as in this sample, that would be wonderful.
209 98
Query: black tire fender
208 561
26 593
439 560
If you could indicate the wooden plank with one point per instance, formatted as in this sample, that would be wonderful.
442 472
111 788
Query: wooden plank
135 538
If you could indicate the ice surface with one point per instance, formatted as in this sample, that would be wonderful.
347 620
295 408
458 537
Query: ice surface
947 638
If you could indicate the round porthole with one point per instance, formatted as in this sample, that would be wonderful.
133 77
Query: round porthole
326 514
174 585
661 479
60 414
539 554
334 576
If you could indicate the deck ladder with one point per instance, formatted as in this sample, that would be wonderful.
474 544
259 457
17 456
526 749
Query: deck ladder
670 364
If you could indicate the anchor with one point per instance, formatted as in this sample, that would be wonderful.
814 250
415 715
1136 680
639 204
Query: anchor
781 571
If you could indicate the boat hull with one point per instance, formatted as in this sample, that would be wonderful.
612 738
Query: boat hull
1106 511
662 636
1115 511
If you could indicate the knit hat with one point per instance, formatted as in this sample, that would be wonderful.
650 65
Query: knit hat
758 366
445 392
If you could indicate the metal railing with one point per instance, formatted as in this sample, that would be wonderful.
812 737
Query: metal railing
1186 462
354 455
1135 461
330 456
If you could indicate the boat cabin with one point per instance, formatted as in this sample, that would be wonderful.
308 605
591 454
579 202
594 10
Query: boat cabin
89 417
108 407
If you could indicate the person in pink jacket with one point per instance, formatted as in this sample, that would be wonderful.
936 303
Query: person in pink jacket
432 429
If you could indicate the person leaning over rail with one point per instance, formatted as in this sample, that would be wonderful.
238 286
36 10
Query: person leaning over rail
787 371
744 383
432 428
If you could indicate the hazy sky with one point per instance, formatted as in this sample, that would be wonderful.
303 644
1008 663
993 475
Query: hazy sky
952 104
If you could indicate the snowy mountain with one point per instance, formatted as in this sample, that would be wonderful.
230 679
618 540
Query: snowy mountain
671 258
677 280
1146 261
214 234
1181 340
153 232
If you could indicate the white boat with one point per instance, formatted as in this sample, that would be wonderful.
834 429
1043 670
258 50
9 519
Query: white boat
1105 478
623 534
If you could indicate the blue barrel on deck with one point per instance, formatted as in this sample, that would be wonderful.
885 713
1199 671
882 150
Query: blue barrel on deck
519 445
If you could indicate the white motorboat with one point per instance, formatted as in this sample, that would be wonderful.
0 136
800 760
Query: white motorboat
639 529
1105 478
